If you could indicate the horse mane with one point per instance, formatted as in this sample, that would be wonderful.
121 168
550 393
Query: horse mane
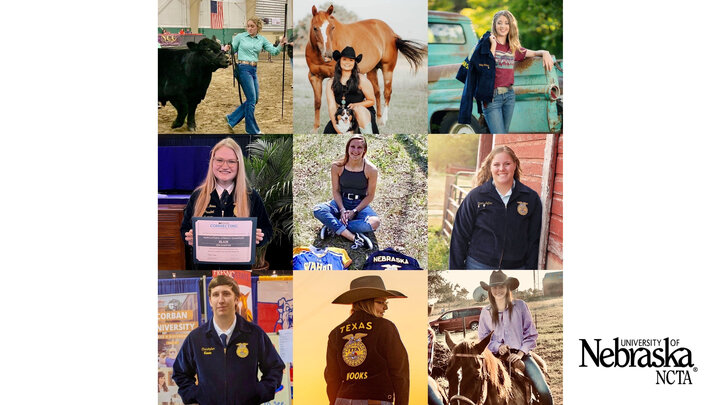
498 377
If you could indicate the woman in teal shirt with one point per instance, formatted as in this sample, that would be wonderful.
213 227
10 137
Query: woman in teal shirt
248 46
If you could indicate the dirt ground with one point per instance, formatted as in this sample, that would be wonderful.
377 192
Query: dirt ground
222 98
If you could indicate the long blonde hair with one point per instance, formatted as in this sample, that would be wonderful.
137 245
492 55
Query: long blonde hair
242 205
484 174
513 38
367 305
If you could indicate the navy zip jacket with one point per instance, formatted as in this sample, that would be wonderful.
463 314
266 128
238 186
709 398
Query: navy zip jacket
487 231
228 376
367 360
478 74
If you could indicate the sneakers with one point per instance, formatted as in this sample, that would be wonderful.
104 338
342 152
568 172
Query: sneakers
323 232
361 241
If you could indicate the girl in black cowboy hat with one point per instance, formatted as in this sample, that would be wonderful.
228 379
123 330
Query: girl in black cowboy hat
366 360
351 89
512 329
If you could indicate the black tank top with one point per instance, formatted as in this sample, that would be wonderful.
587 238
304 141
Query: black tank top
353 182
350 97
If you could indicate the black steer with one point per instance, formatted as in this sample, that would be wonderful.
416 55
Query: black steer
184 76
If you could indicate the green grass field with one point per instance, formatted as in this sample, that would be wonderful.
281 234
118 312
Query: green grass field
400 198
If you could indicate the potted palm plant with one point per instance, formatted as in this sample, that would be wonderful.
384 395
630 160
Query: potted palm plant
269 170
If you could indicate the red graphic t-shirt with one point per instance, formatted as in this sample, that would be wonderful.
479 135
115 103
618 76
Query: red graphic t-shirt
504 64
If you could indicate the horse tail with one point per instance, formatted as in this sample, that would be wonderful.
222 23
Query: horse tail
414 51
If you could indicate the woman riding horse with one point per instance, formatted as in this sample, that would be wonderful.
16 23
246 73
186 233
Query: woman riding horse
512 329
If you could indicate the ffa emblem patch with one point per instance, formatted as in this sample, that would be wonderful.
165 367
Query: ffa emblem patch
522 208
242 350
354 352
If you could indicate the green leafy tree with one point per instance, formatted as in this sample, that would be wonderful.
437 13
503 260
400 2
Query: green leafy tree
269 171
539 21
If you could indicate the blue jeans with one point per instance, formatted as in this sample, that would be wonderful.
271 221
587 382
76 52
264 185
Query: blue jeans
247 76
328 213
499 111
472 264
532 371
433 398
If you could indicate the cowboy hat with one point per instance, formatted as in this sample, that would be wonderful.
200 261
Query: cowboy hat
348 52
499 278
366 287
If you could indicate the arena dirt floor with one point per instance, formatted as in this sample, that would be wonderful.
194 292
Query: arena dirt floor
222 98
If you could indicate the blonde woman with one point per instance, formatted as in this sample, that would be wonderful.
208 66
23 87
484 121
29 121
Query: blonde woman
505 47
491 73
498 223
248 46
366 359
225 193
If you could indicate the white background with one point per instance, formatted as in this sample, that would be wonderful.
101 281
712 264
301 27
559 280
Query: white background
79 161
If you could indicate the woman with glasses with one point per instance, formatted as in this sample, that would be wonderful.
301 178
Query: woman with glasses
366 359
225 193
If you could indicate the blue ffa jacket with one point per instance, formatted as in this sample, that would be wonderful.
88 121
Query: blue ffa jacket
228 376
495 235
478 74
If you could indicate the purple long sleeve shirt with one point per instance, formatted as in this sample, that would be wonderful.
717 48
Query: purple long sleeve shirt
518 332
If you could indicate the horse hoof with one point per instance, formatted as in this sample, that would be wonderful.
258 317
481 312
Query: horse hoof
191 128
176 124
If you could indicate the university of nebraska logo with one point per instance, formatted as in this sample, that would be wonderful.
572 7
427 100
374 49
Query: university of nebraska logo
673 362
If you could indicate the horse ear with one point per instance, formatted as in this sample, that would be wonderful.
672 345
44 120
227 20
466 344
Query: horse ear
449 341
480 347
330 10
314 10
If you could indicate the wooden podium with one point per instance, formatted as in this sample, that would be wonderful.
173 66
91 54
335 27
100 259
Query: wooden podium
171 246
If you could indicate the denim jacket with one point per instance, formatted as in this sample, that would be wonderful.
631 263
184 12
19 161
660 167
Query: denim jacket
478 74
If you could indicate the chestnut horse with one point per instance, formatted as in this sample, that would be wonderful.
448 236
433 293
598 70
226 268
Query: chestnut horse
374 39
485 379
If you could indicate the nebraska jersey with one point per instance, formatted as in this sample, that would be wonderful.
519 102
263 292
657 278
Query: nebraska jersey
389 259
312 258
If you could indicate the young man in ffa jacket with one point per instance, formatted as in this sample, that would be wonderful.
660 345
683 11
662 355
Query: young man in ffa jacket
225 354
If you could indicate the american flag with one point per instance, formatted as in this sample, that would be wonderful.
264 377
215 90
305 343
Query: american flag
216 14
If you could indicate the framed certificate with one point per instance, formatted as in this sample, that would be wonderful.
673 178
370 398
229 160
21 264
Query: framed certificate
224 240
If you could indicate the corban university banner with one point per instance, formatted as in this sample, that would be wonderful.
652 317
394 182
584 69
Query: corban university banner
177 317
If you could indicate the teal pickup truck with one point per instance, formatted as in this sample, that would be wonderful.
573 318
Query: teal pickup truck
538 94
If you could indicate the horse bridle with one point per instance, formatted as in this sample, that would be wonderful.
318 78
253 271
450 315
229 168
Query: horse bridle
483 372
